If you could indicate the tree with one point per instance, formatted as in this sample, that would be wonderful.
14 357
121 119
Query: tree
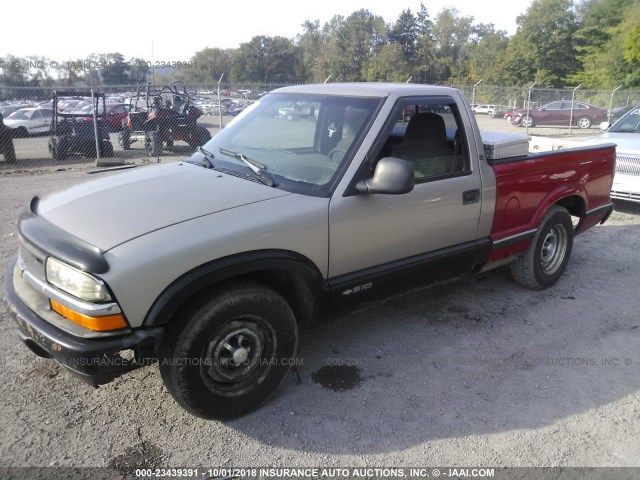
404 33
359 38
139 70
268 60
542 47
316 49
451 34
388 66
423 65
114 70
486 61
608 25
208 65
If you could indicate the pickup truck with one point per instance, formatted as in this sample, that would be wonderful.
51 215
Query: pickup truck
207 267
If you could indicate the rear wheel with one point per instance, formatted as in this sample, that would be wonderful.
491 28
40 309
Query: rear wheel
546 258
224 356
58 148
106 149
124 139
203 135
9 152
153 143
584 122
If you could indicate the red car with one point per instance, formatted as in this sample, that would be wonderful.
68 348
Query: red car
559 113
116 113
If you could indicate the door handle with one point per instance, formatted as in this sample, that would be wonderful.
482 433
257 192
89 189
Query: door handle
471 196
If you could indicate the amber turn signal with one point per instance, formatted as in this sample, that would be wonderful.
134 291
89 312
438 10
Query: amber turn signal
98 324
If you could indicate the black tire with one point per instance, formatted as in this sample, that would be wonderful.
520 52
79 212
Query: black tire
546 258
527 121
58 148
584 122
106 149
153 143
8 150
203 135
124 139
238 344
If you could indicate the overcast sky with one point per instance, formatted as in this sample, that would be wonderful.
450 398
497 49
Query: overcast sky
61 30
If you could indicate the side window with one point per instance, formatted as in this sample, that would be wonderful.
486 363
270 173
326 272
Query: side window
428 135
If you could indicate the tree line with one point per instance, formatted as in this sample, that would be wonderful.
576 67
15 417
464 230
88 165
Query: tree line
558 43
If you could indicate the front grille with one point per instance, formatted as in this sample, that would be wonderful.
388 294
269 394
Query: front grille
33 260
628 165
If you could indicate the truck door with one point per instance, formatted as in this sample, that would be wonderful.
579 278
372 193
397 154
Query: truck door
378 241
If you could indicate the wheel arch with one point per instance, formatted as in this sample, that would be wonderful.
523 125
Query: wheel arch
575 205
292 275
574 200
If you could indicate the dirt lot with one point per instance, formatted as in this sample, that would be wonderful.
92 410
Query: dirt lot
475 372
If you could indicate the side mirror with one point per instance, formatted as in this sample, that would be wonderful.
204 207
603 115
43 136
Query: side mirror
392 176
605 126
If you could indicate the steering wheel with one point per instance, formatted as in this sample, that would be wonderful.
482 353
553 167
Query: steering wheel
334 151
319 174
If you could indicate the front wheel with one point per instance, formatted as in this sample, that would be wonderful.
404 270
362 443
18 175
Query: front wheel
546 258
223 357
527 121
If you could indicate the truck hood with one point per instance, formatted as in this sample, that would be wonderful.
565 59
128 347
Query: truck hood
625 142
112 210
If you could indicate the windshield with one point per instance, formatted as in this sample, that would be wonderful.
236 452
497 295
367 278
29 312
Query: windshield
300 141
20 115
630 122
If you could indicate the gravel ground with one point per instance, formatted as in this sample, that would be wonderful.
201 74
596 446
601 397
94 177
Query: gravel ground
478 371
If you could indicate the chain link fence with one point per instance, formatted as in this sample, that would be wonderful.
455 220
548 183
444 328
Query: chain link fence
112 128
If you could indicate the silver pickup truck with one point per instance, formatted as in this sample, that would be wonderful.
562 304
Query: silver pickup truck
314 200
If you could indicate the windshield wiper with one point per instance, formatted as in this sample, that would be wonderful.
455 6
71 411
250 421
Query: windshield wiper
207 156
256 167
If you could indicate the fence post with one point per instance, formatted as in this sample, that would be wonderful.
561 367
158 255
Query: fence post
611 103
573 98
529 105
95 125
473 95
220 104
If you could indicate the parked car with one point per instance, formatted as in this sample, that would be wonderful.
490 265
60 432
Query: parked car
116 113
559 113
6 110
207 266
484 109
30 121
625 133
506 114
617 113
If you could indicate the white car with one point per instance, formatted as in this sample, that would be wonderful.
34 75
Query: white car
625 133
30 121
485 109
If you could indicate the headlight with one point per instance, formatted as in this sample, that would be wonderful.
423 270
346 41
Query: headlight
75 282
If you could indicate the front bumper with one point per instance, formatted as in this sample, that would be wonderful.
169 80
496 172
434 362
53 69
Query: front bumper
95 360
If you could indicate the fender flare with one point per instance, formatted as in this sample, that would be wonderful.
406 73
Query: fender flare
197 280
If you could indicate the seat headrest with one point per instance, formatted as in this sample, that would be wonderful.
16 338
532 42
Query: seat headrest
426 127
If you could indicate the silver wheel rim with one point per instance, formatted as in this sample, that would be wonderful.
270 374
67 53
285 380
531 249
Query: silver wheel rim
234 353
554 248
526 121
583 123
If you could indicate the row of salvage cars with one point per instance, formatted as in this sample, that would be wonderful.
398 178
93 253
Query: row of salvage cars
80 122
